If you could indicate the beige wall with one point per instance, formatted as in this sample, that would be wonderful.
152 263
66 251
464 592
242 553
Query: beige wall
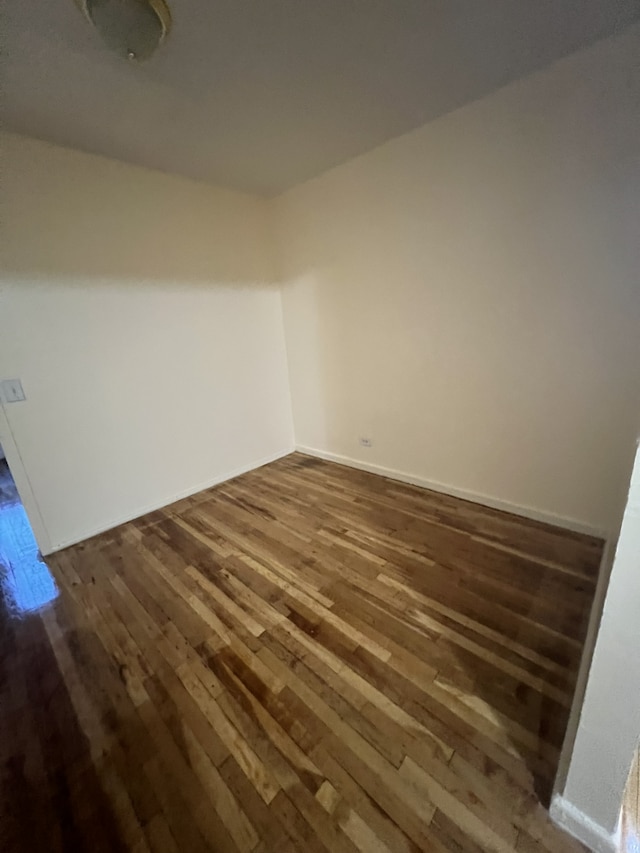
588 803
467 295
135 308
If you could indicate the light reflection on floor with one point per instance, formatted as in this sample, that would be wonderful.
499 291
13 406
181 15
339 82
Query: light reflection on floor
26 584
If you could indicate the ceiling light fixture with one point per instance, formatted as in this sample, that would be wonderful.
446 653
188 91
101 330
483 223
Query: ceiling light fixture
134 29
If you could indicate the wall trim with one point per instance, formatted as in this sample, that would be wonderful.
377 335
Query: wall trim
568 817
185 493
475 497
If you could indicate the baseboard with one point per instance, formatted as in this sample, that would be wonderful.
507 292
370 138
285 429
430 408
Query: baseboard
476 497
565 815
185 493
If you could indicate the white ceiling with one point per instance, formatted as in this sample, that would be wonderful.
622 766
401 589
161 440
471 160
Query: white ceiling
262 94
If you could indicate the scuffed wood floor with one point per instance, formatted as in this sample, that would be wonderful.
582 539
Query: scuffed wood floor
306 658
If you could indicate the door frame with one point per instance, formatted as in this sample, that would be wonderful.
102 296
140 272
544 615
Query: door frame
23 483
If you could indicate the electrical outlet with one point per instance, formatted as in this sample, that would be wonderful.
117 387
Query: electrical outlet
365 442
11 391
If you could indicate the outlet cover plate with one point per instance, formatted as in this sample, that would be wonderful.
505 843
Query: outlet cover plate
11 391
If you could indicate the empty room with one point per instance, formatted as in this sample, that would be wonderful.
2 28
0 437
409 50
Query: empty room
319 414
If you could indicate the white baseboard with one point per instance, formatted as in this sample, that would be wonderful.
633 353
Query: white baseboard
185 493
565 815
476 497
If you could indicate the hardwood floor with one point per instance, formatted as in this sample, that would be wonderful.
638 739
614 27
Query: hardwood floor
306 658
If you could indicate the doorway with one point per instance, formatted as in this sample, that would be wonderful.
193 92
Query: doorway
26 584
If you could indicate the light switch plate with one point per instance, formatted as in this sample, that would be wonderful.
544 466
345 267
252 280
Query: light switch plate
11 391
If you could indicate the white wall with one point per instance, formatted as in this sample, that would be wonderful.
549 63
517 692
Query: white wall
136 309
467 295
589 802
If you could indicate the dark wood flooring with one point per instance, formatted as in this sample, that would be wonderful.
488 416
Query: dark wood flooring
306 658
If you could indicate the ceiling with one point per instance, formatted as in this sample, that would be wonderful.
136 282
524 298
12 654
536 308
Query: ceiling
262 94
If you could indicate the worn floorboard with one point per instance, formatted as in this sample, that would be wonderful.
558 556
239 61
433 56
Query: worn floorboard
306 658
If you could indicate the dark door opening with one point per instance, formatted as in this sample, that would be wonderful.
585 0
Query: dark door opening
26 583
